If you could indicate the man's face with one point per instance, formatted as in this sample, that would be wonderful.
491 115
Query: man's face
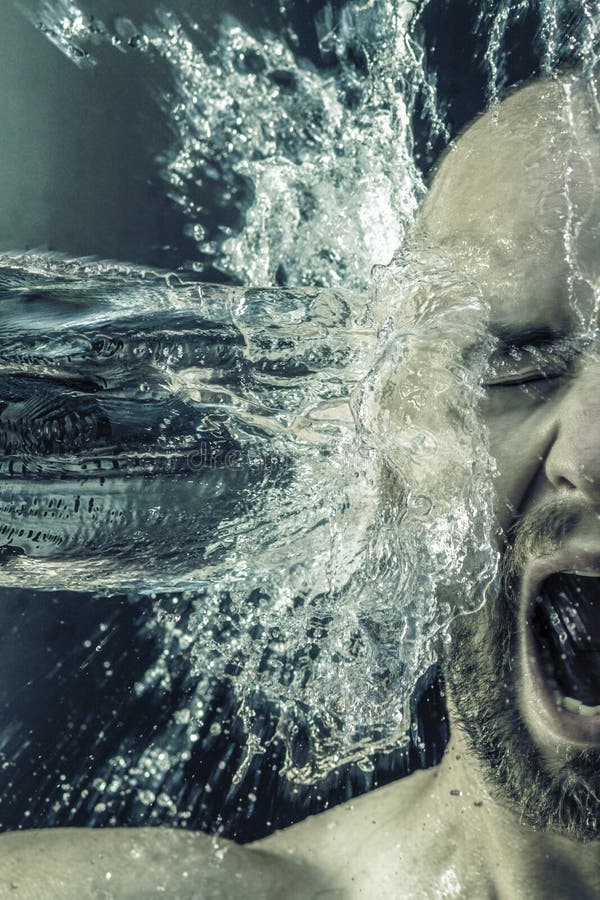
517 204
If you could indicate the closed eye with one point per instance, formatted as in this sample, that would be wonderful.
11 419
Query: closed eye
519 378
524 365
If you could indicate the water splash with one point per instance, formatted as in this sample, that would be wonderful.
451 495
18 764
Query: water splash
310 174
272 462
222 449
568 31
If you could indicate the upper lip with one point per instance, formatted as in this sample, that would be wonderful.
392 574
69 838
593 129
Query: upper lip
572 556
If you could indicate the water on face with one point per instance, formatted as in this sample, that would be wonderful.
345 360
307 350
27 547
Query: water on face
298 466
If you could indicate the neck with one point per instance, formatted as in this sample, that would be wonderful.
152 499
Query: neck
439 832
516 859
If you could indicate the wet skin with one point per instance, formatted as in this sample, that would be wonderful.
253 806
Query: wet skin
516 207
519 213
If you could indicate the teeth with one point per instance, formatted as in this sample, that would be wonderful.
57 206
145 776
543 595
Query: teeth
581 573
576 706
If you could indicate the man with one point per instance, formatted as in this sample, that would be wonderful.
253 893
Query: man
514 808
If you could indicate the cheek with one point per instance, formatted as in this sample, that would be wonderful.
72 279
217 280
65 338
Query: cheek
518 424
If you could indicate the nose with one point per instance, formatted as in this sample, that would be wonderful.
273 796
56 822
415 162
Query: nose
573 461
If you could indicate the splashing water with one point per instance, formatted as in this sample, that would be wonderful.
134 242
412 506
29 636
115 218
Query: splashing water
333 180
164 437
272 460
568 32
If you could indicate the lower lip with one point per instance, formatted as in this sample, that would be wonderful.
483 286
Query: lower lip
551 725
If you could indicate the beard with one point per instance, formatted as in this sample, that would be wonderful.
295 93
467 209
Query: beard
482 672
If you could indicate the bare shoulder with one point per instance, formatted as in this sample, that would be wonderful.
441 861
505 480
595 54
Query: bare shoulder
406 798
136 863
330 855
404 841
389 831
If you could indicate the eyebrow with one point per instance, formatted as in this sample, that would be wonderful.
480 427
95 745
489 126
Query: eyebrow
536 334
513 337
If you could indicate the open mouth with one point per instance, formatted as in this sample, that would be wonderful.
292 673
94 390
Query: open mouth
560 695
566 630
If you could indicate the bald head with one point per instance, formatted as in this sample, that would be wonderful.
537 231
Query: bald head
515 202
516 171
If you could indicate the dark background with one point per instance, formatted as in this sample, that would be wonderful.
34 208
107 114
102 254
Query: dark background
78 175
